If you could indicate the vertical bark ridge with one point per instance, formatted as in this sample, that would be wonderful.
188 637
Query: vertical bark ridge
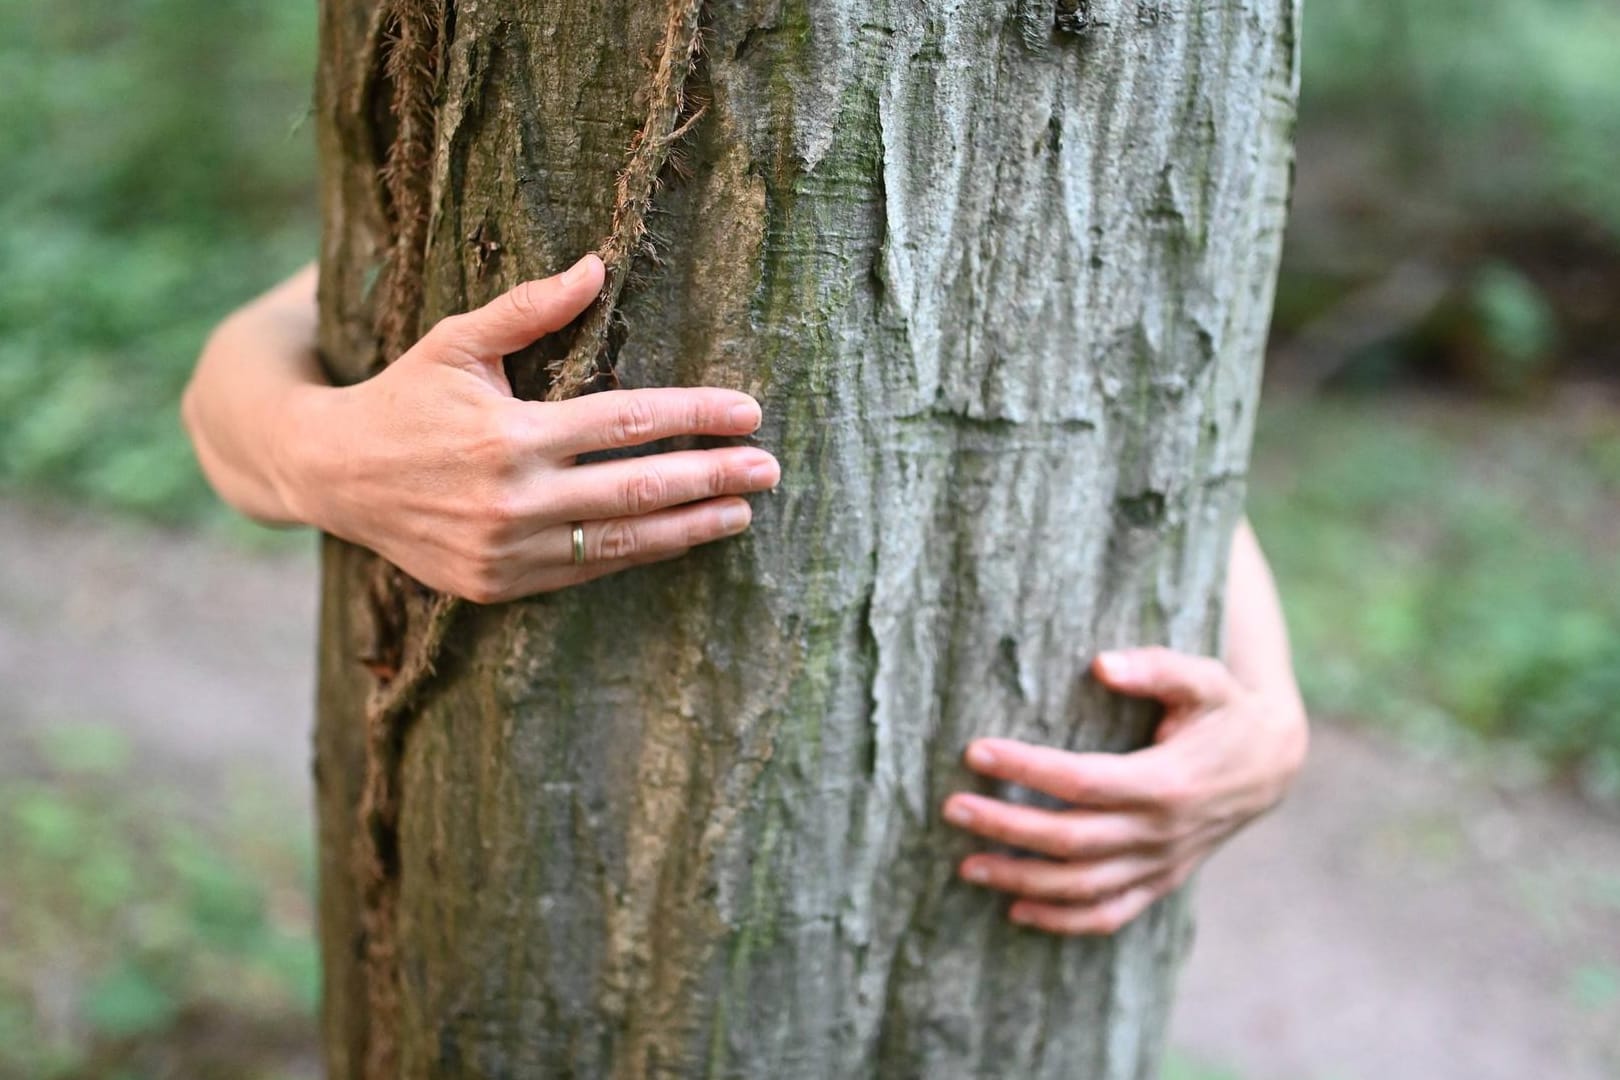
411 55
411 58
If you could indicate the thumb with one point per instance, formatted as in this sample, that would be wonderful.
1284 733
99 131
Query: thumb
520 316
1174 678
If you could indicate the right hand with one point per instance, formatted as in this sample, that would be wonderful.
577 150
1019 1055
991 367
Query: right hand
435 465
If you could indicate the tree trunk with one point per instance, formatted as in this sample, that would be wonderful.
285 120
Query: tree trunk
1000 274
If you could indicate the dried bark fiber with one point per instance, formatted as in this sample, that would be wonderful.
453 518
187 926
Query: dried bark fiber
411 52
1002 284
404 661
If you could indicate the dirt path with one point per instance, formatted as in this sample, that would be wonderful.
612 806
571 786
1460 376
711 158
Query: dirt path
1398 920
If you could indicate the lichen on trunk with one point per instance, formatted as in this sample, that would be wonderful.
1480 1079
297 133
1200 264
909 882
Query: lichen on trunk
1002 289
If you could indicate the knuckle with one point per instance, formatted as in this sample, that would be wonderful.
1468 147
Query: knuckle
704 411
618 540
1023 838
635 421
646 491
449 331
1070 782
483 568
482 586
525 300
723 478
454 338
497 518
1173 790
1161 829
501 444
1081 887
1072 842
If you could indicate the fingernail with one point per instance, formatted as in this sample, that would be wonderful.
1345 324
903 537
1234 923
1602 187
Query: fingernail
1019 916
745 415
957 813
1115 665
977 873
734 517
980 757
577 272
764 476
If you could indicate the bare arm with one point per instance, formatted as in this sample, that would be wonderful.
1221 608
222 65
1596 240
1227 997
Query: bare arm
434 464
239 404
1257 650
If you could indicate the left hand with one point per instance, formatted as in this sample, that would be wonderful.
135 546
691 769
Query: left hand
1139 823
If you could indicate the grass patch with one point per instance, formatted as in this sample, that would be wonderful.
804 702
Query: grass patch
140 937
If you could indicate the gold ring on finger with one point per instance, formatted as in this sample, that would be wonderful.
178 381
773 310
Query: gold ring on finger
579 544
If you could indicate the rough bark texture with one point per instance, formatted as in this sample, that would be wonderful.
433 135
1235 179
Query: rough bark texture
1001 274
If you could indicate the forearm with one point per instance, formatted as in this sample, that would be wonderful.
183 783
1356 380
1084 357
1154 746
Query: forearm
257 370
1257 650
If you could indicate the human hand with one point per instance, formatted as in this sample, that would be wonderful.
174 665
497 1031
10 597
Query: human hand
435 465
1139 824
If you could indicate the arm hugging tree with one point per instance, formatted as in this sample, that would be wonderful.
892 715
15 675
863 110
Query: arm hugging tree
1001 275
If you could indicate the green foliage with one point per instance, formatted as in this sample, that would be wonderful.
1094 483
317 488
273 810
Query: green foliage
1450 571
155 176
131 936
1511 109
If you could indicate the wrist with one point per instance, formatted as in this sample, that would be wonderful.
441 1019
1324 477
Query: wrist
302 430
1290 732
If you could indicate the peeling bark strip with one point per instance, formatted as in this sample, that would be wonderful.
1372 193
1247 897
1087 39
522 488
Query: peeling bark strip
413 51
1001 287
638 182
389 712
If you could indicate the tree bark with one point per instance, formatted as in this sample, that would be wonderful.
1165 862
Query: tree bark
1000 274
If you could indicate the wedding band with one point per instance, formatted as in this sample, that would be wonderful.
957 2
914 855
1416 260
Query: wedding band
579 544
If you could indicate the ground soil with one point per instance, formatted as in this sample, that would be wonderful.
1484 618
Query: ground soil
1401 918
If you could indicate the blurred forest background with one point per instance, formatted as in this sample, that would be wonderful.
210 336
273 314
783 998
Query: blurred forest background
1437 477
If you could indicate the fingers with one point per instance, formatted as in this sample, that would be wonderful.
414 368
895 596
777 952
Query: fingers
1174 678
546 560
1061 835
621 418
662 532
1091 779
638 486
552 578
517 318
1104 917
1077 882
